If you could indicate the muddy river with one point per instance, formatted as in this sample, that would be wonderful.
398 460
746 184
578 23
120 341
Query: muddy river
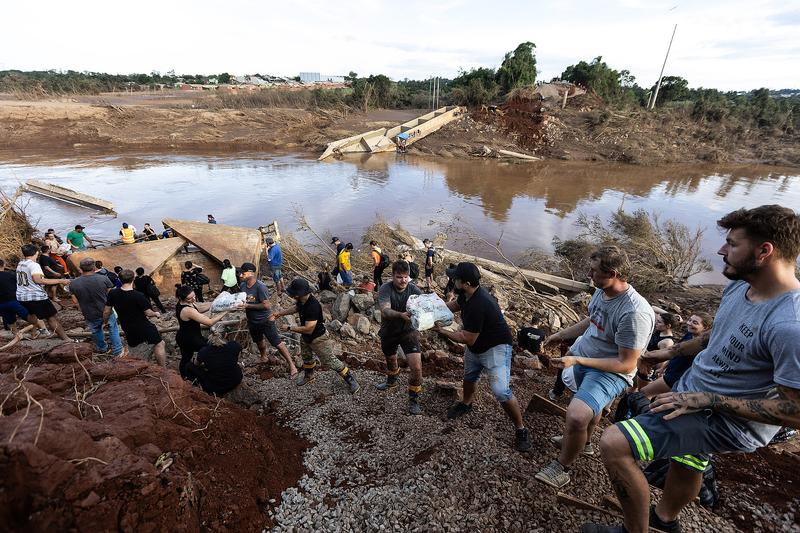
527 204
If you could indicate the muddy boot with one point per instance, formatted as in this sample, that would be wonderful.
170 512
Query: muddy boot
350 379
413 400
308 374
391 381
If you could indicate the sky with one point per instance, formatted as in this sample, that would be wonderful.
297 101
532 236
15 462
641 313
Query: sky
724 44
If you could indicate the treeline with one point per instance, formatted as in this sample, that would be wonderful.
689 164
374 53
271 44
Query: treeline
73 82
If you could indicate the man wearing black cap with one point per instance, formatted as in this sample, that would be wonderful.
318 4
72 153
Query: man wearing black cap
315 340
257 308
77 237
488 341
396 330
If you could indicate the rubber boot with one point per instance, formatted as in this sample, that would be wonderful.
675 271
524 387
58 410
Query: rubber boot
413 400
391 380
308 374
350 379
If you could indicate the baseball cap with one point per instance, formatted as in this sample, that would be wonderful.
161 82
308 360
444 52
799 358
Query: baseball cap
248 267
79 227
334 239
466 272
298 287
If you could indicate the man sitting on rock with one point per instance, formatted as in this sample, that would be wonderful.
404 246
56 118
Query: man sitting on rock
315 340
740 389
489 342
605 354
396 330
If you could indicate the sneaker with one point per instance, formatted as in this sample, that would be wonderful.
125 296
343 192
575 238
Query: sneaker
601 528
414 408
386 385
666 527
554 475
559 439
522 440
352 382
305 378
552 396
458 409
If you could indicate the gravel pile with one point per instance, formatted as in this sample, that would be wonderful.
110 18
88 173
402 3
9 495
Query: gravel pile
372 467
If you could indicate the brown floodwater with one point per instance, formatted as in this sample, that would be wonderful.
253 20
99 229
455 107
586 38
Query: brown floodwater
522 205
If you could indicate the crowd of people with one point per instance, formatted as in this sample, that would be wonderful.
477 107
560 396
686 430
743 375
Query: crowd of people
727 384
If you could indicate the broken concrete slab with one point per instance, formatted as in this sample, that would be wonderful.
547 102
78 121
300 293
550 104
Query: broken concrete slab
57 192
220 241
150 255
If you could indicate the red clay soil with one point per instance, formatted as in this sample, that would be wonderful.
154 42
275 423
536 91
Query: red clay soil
84 471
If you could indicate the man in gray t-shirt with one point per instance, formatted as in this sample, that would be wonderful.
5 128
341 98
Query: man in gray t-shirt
740 389
609 342
90 291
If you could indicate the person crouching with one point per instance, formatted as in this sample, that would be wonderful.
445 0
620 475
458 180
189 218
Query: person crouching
217 370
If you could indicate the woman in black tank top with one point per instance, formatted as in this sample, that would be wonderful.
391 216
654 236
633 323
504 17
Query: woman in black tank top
190 317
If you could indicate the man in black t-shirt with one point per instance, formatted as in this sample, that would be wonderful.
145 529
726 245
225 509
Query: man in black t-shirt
217 370
488 341
51 270
315 340
133 310
396 330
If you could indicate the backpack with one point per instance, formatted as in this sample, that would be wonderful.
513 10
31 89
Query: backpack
202 279
384 260
414 270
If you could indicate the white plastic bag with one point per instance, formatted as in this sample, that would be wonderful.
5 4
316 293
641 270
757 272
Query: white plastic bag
227 301
427 309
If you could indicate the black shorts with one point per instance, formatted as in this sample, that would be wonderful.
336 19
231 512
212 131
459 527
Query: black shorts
688 440
148 334
407 340
259 330
428 272
43 309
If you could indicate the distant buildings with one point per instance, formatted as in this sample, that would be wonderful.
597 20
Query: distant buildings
315 77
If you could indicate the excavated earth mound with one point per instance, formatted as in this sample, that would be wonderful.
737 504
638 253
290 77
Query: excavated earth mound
127 445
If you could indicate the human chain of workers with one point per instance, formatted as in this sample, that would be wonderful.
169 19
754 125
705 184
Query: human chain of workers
729 386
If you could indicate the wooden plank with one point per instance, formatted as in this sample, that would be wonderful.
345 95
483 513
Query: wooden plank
150 255
220 241
64 194
543 405
611 502
580 504
557 281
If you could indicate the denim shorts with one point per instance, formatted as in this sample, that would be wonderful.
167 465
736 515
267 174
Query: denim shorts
497 363
597 388
276 274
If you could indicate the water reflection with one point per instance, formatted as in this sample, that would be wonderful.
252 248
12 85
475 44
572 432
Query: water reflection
527 203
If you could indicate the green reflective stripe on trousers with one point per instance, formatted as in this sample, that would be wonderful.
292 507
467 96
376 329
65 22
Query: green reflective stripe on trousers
697 460
644 437
627 427
693 464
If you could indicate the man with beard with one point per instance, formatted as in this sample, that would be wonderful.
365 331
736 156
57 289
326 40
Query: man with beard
741 388
314 337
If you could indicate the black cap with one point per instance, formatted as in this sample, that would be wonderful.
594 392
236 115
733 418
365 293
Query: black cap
333 240
466 272
79 227
248 267
298 287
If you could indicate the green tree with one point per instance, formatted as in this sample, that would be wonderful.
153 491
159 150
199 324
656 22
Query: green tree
673 89
518 67
598 77
224 78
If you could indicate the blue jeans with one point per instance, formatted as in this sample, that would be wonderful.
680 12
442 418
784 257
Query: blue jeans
597 388
497 363
96 327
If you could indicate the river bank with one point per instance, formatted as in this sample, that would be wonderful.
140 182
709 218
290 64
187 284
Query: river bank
192 120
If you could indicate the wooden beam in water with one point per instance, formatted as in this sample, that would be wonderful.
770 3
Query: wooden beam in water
64 194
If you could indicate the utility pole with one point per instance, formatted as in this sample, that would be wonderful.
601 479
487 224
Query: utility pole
660 76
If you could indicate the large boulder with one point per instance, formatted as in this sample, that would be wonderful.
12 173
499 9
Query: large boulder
327 297
376 316
341 307
348 330
362 326
362 302
334 325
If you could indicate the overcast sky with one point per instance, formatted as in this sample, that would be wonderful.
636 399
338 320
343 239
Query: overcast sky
726 44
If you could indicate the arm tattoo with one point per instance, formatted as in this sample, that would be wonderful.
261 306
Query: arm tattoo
781 411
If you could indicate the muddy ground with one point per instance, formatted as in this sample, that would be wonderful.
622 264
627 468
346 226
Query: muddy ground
189 120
